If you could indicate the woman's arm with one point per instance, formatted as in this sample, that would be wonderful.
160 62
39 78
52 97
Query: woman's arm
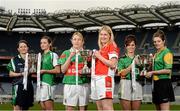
162 71
125 71
112 63
64 67
56 70
14 74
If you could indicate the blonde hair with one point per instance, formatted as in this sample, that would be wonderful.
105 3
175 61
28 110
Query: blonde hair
78 34
109 31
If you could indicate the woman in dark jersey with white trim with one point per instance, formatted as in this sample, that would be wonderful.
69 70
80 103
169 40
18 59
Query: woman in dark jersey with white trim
21 99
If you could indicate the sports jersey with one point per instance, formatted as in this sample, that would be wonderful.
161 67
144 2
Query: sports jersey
17 65
21 97
70 74
108 52
49 61
163 60
123 63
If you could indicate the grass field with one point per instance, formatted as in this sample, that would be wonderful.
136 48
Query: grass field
91 106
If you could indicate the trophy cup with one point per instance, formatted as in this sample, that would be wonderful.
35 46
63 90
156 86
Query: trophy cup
85 54
146 63
32 60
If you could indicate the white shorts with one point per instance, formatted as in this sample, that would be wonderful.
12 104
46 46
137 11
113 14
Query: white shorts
76 95
126 92
102 87
45 92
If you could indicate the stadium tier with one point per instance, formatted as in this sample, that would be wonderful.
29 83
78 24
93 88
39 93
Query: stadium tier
61 42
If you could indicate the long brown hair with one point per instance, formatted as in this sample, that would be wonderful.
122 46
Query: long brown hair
48 39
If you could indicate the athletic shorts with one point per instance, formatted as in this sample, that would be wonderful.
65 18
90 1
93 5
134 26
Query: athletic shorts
21 97
125 91
76 95
102 87
45 92
163 91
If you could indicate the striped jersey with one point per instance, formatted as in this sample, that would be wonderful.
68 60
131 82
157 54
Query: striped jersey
70 74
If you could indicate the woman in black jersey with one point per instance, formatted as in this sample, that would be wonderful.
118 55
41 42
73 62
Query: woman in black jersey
21 99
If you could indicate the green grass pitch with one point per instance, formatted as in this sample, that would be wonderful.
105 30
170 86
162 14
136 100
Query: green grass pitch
91 106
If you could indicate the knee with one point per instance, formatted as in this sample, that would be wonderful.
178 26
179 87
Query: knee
108 107
69 108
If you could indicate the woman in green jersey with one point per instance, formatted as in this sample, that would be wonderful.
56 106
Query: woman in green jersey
49 69
76 87
162 91
130 99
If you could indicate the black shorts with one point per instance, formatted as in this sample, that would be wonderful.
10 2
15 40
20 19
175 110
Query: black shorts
24 98
163 91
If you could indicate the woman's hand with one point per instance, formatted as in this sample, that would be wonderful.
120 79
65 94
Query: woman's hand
97 54
122 76
149 74
72 54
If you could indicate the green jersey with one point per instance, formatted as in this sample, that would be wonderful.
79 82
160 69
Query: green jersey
70 74
49 61
163 60
123 63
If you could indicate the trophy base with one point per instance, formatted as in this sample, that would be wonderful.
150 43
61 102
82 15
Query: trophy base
85 71
85 75
32 71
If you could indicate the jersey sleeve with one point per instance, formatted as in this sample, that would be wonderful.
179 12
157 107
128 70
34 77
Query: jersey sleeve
168 60
113 51
55 59
11 66
62 58
120 65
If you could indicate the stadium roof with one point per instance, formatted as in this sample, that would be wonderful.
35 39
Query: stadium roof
135 16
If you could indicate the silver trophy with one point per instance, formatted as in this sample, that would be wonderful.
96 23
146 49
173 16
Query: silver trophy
145 60
85 54
32 61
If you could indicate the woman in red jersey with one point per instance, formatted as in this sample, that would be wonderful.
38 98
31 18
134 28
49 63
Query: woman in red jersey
103 69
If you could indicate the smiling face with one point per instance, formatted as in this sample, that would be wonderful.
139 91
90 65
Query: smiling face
158 43
159 39
77 41
130 44
104 37
22 48
131 47
45 45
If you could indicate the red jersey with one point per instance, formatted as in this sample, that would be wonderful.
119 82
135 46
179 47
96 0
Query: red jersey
108 52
